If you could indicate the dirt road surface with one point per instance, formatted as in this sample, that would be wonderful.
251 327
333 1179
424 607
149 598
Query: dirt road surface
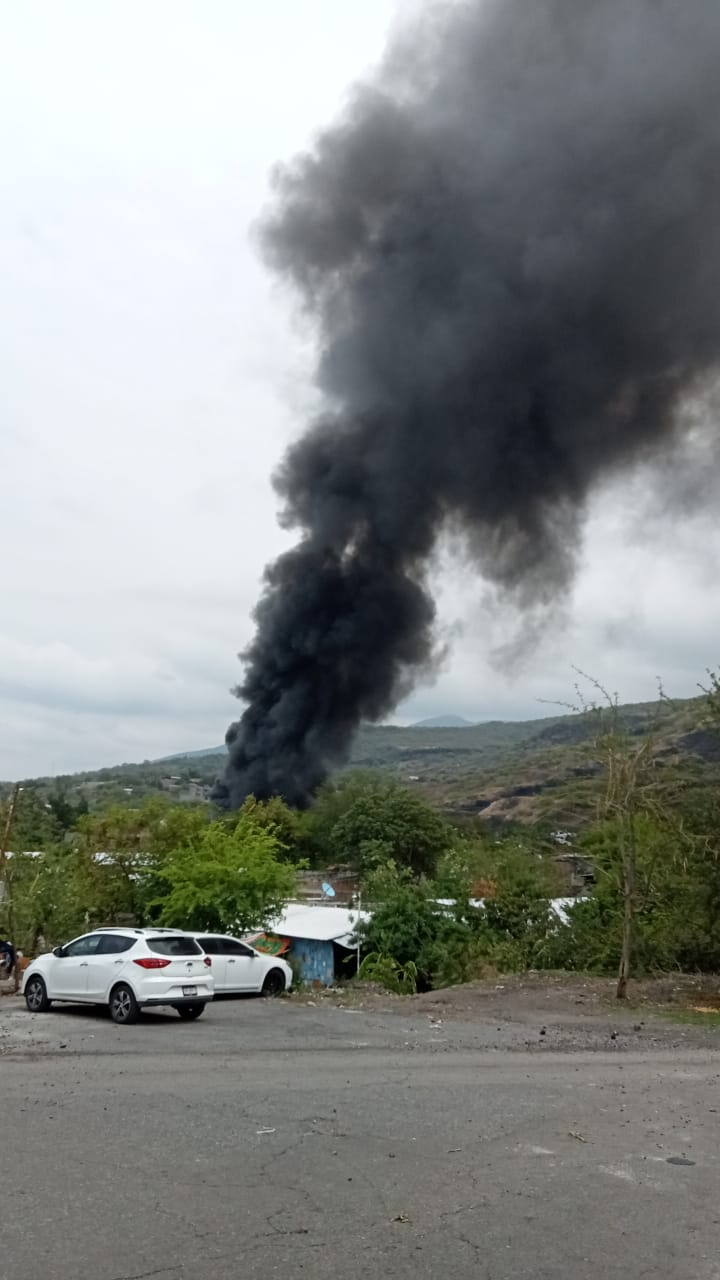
273 1138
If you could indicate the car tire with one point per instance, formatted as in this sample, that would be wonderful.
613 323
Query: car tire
190 1011
274 983
36 996
123 1006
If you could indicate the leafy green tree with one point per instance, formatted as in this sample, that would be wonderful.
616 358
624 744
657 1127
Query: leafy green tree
688 882
131 836
60 893
276 816
34 825
479 866
383 881
229 880
20 910
315 826
65 810
633 793
663 896
133 844
387 823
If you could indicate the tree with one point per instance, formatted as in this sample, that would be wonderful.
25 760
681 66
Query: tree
133 843
59 893
712 699
33 825
632 793
479 865
667 902
387 823
227 880
314 826
276 816
64 809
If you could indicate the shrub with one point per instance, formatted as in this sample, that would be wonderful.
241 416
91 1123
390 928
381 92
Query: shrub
402 979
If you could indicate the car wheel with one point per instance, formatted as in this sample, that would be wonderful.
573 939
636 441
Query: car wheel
274 983
189 1011
36 996
123 1005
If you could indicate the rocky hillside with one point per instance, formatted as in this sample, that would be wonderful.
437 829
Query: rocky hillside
520 771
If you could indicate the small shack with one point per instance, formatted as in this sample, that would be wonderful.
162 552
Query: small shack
321 939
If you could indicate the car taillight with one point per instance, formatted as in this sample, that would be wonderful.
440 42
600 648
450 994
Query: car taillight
152 962
208 961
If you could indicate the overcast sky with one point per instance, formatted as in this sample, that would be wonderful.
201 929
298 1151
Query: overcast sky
152 373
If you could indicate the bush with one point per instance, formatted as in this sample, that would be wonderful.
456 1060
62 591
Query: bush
402 979
405 926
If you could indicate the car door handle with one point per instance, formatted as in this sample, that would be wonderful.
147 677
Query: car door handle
118 962
83 964
231 960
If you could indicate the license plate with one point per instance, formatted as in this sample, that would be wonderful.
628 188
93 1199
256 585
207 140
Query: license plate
189 991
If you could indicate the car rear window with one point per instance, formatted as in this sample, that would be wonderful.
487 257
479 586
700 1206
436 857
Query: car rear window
175 946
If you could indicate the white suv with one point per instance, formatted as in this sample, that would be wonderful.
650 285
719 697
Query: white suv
126 969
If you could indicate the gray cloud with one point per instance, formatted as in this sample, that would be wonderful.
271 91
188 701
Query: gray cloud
152 377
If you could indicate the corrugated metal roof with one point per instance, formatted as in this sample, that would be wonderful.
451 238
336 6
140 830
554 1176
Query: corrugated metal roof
322 924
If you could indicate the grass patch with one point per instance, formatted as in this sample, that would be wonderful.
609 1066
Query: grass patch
693 1017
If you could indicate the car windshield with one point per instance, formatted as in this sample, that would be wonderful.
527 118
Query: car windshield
175 946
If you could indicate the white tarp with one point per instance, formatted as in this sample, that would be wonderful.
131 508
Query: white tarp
559 906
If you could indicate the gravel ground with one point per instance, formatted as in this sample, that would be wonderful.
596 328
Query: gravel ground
508 1137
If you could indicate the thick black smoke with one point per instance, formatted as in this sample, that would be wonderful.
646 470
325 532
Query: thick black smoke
510 249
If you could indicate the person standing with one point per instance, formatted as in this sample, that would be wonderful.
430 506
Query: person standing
8 958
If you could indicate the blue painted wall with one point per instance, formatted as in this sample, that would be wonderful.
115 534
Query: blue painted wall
317 960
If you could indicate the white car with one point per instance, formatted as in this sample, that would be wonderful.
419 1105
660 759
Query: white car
126 969
237 967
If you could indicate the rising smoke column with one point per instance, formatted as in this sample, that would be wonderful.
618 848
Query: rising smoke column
509 247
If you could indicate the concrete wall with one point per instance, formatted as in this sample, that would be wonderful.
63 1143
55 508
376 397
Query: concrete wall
344 881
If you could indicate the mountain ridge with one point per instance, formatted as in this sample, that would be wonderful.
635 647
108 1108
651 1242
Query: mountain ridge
521 771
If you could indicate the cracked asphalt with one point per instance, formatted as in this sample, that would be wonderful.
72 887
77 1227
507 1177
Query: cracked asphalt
272 1138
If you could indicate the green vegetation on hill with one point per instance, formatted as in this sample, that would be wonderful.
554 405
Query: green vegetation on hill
641 781
520 772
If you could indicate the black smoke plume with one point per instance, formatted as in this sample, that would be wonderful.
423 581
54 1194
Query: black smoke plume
509 247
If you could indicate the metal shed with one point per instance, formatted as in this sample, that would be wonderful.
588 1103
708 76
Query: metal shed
318 937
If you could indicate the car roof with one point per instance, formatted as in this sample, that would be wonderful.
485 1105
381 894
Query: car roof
140 933
214 933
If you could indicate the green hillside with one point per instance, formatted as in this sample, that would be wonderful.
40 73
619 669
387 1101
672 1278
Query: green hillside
519 771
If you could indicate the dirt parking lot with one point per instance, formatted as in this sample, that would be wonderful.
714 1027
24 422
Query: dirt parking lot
500 1132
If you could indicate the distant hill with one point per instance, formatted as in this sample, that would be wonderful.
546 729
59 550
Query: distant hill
443 722
192 755
531 771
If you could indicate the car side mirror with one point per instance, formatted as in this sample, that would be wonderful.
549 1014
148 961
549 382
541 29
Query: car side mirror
58 951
